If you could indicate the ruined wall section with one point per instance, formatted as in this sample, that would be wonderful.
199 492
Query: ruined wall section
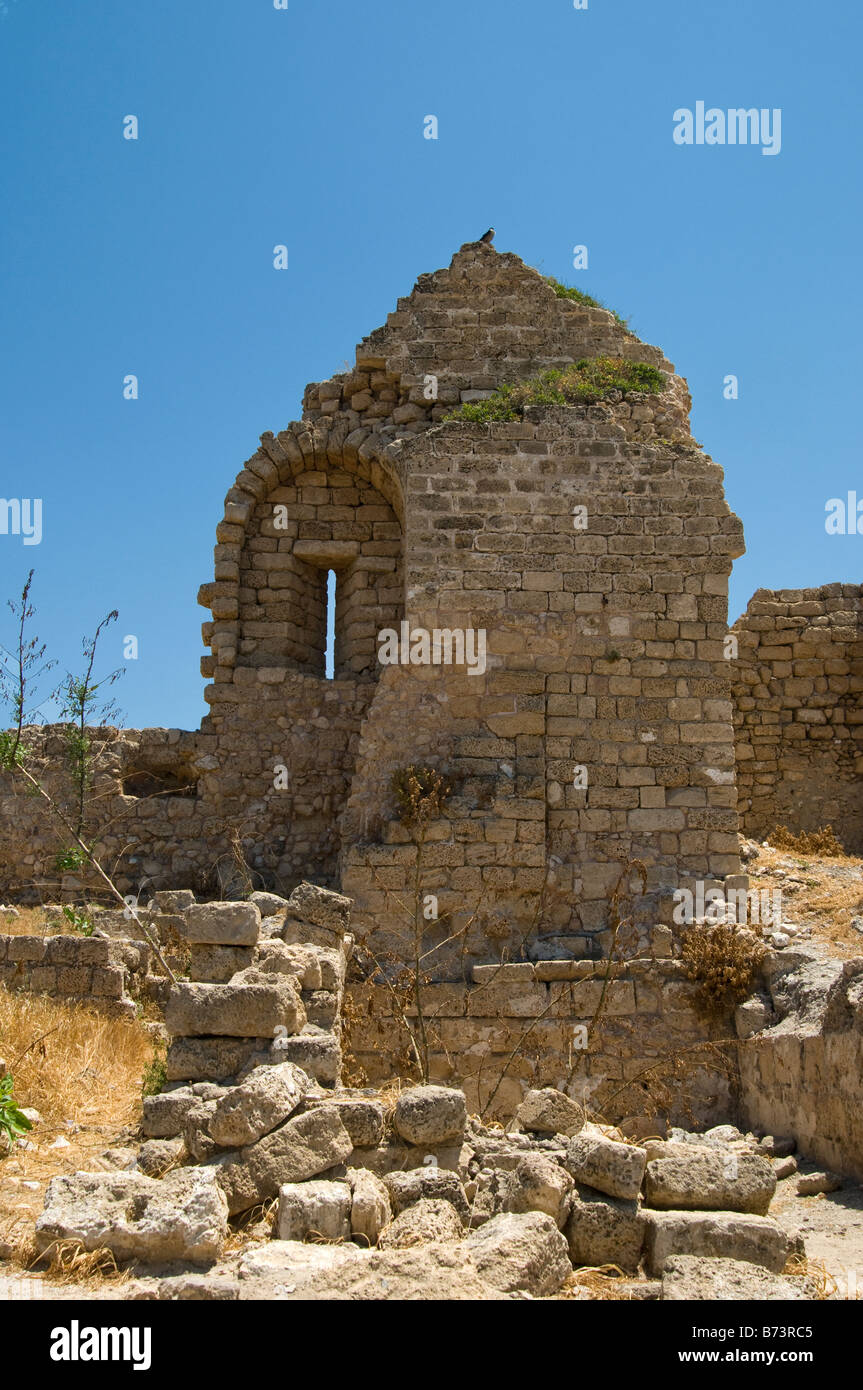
798 680
605 650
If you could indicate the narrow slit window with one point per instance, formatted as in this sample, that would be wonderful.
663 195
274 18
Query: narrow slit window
329 661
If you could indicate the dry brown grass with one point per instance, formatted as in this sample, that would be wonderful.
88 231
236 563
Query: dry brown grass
723 963
82 1072
35 921
820 842
823 892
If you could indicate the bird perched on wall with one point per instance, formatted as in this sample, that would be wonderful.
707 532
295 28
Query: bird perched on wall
488 237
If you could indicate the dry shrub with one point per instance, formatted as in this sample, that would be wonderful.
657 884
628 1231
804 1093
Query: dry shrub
71 1062
723 962
821 841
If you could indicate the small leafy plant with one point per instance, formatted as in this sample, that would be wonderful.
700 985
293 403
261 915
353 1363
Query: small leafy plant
70 860
586 382
78 921
13 1122
154 1078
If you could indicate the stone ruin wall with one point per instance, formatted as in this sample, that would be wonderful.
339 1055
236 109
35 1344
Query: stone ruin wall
797 711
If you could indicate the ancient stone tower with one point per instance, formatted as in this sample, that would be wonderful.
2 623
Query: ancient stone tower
588 545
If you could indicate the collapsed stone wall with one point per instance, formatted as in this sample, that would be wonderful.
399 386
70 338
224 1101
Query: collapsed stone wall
521 1026
798 679
110 974
801 1068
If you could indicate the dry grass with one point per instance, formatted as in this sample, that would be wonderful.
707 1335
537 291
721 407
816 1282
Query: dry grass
822 892
82 1072
35 921
819 842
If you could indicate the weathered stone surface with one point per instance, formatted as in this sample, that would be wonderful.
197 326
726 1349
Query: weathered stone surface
215 1059
289 1271
316 1051
430 1115
320 1209
705 1181
429 1219
363 1119
253 1005
180 1217
370 1207
157 1156
525 1252
262 1102
163 1114
268 904
216 965
540 1184
727 1235
406 1188
696 1277
812 1184
604 1230
303 1147
199 1142
309 903
606 1165
222 924
548 1111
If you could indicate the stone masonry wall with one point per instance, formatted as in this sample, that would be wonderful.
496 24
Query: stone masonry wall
798 681
106 973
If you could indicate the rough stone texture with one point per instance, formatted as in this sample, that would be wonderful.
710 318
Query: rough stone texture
289 1271
180 1217
157 1156
691 1277
605 644
318 1209
163 1114
798 724
370 1207
406 1188
253 1005
540 1184
804 1076
222 924
363 1119
548 1111
429 1219
524 1252
605 1230
728 1235
303 1147
264 1100
430 1115
610 1167
104 972
704 1181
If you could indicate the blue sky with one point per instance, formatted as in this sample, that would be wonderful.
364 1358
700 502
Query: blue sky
304 127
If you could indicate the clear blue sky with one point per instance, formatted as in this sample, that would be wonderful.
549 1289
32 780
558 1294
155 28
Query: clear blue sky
304 127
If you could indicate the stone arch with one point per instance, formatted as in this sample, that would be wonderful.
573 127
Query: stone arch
309 501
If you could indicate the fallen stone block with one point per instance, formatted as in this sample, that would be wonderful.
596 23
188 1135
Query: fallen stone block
180 1217
222 924
158 1156
215 1059
688 1278
253 1005
406 1188
316 1052
261 1103
302 1148
430 1115
520 1252
604 1230
813 1184
163 1114
363 1119
314 1209
724 1180
539 1184
548 1111
606 1165
217 965
320 906
428 1220
199 1142
370 1206
291 1272
729 1235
